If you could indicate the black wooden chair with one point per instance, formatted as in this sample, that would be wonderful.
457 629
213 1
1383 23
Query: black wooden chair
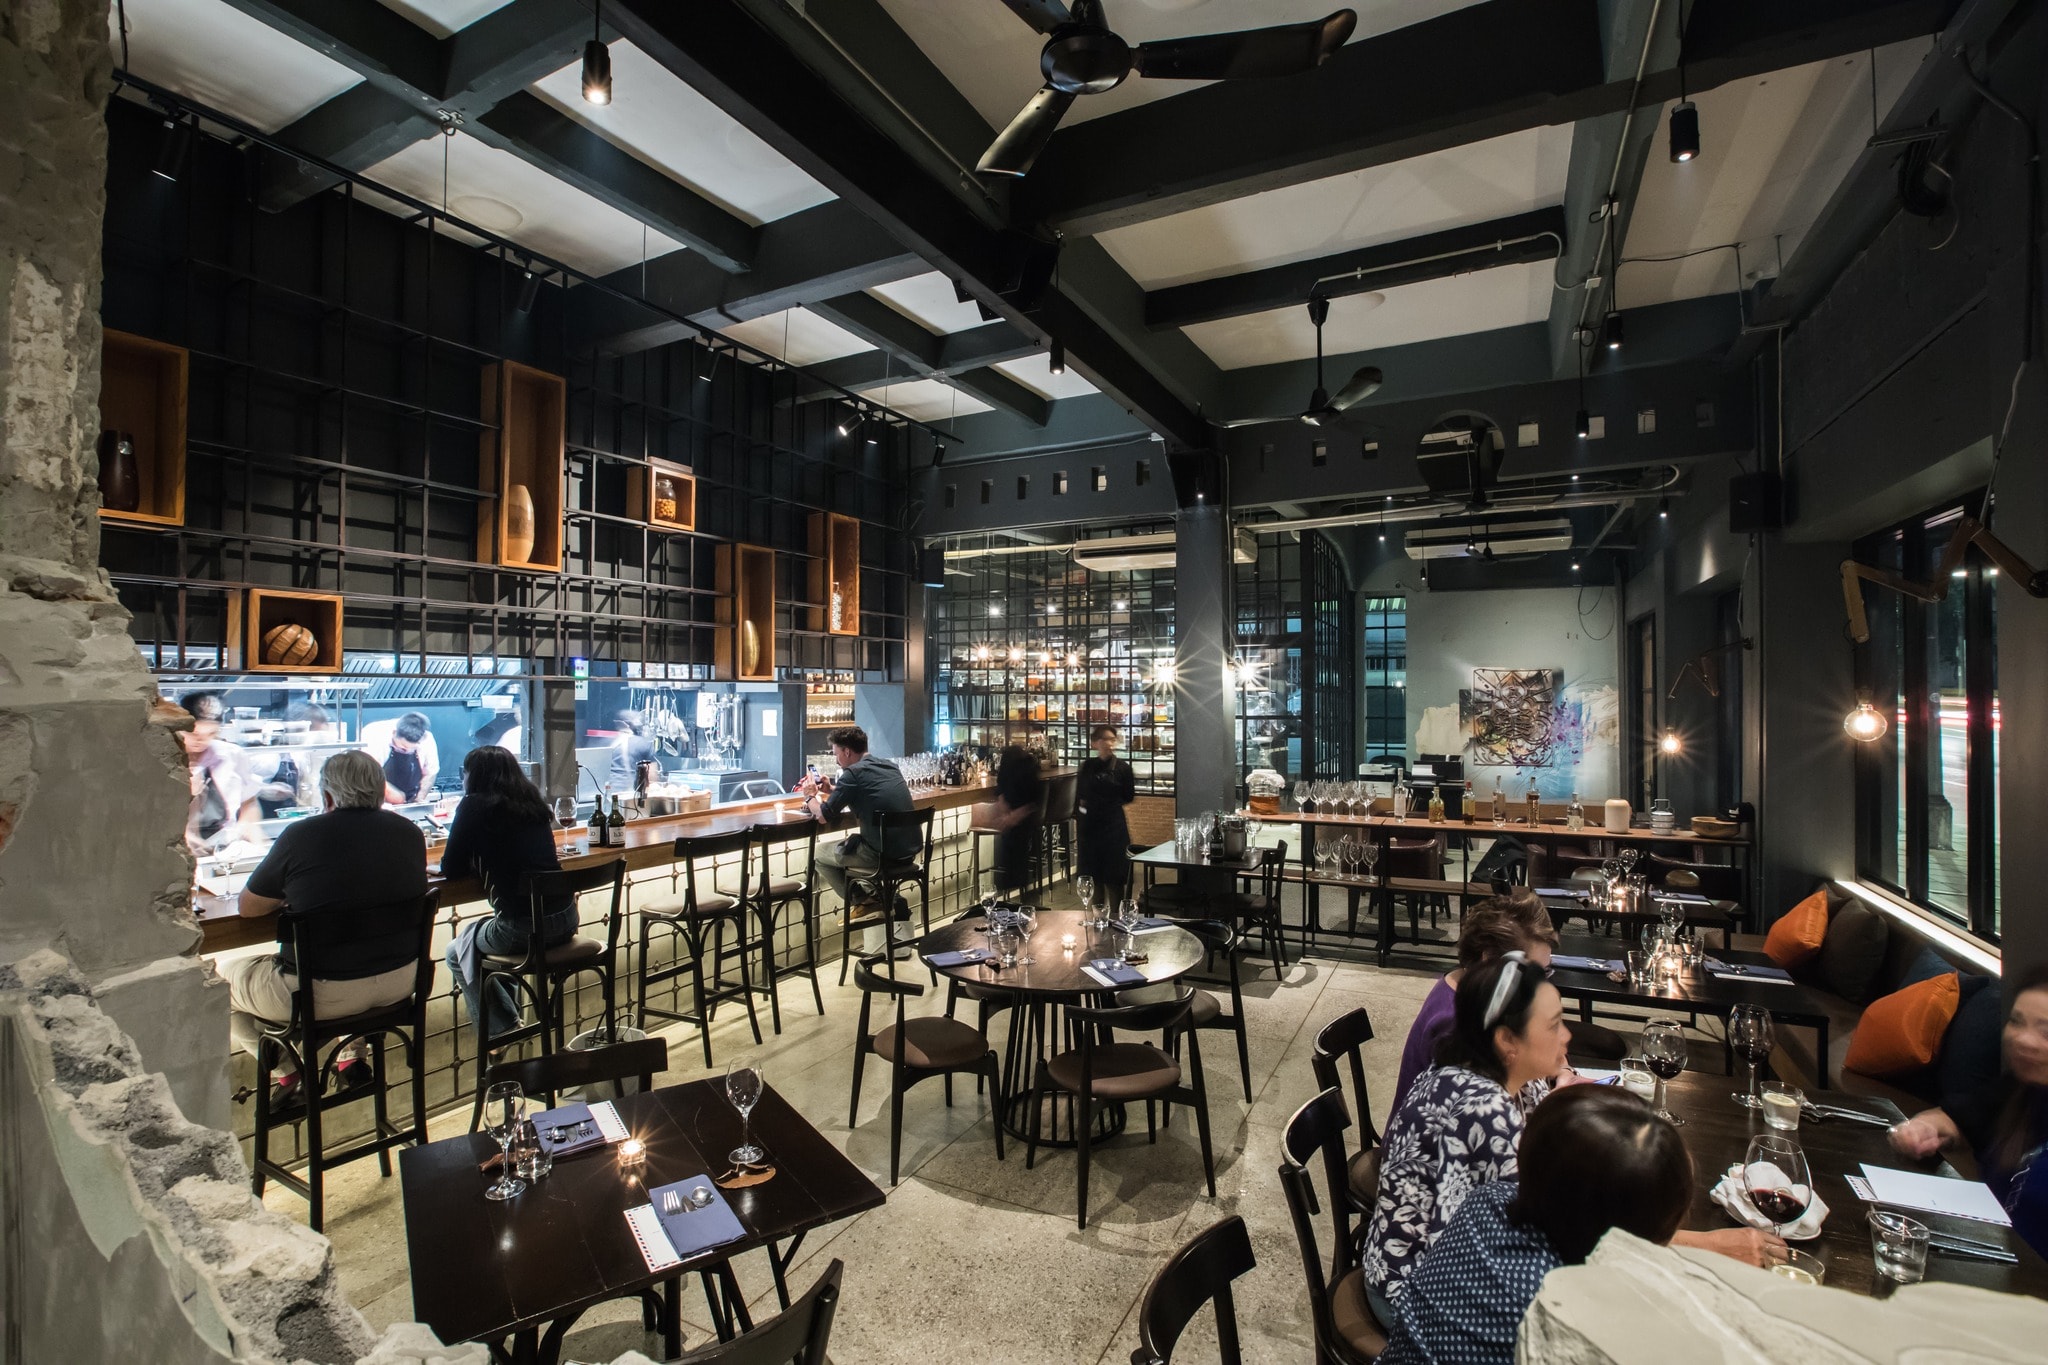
1200 1272
1259 906
989 1000
641 1060
796 1336
1346 1331
916 1050
1057 815
889 880
540 975
306 1037
1104 1071
1208 1012
768 896
701 910
1343 1041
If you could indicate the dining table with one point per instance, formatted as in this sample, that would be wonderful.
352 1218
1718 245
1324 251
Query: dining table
516 1275
1053 972
1717 1131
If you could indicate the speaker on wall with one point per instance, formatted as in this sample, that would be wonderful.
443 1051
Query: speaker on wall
931 562
1756 502
1197 478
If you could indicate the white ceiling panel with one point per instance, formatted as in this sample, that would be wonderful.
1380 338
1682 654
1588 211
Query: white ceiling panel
1470 184
991 56
184 45
1034 372
1480 302
554 219
1772 151
661 120
926 400
929 300
797 336
443 17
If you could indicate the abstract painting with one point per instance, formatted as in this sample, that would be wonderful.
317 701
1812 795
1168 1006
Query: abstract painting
1511 717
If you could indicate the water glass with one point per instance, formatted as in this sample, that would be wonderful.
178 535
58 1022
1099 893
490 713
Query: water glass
1640 970
1899 1245
531 1157
1637 1079
1781 1105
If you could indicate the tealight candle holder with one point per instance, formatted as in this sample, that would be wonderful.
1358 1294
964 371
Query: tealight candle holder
632 1152
1067 943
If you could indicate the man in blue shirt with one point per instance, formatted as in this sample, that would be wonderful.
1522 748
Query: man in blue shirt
868 785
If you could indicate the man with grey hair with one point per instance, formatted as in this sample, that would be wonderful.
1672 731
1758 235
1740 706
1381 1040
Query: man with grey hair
352 858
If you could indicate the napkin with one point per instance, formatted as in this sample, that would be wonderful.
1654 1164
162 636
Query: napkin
694 1229
1742 972
959 958
1151 924
1732 1197
1110 972
1585 964
567 1116
1683 898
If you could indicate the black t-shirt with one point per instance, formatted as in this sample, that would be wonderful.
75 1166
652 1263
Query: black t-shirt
347 862
1017 779
489 841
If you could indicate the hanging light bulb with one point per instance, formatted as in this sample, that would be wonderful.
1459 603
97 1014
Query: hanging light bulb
1057 362
981 654
1670 743
1584 425
1866 723
597 61
1685 132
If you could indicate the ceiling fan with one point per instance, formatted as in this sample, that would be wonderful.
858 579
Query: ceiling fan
1322 408
1082 57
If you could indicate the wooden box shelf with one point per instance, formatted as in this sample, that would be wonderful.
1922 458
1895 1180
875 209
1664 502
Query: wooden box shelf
255 613
746 608
142 393
664 496
525 450
835 573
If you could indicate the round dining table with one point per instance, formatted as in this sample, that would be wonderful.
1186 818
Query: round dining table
1049 976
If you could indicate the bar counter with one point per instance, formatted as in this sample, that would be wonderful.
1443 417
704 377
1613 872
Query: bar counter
649 843
1518 825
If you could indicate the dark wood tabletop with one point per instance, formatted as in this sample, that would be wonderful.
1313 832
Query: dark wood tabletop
1791 1001
1717 1132
1553 826
1054 971
1168 855
482 1271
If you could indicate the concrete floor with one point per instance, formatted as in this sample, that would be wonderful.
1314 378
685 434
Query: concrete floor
971 1258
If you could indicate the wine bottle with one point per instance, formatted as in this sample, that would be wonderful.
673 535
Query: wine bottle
1436 806
1535 800
1575 814
1471 802
600 828
1500 804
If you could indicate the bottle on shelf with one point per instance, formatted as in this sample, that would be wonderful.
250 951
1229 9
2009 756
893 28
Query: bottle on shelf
1575 814
1535 801
1471 802
1436 805
600 827
1402 800
1500 803
618 823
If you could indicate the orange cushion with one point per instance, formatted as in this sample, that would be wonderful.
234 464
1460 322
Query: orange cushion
1799 932
1902 1031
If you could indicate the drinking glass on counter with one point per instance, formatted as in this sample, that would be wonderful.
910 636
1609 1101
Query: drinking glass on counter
565 811
1781 1105
1776 1179
1899 1246
1664 1048
1637 1079
1751 1035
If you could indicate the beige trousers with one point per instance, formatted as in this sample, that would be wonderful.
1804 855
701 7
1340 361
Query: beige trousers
260 993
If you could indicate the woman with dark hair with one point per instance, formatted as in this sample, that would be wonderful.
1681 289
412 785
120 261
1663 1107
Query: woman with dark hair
1592 1158
501 831
2007 1128
1106 786
1019 790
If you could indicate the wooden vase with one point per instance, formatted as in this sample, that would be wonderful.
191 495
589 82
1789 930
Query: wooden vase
518 524
120 482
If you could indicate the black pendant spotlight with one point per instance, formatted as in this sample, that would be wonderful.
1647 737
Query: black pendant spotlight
1057 360
597 61
1614 330
1685 131
175 148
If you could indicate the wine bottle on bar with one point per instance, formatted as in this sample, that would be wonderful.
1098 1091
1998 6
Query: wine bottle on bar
1535 803
618 823
1471 802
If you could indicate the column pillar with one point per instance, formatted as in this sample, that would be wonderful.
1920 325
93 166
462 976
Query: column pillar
1204 699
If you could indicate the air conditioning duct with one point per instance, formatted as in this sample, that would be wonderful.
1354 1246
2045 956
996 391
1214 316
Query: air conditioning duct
1126 554
1475 542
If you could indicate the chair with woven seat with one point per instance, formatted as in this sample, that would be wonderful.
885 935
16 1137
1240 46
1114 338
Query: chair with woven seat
306 1035
1199 1273
916 1049
701 910
1103 1071
888 881
768 896
1221 941
1343 1041
540 976
1346 1331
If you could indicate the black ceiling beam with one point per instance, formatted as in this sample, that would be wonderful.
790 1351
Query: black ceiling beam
1515 240
755 75
1499 67
958 353
998 390
918 351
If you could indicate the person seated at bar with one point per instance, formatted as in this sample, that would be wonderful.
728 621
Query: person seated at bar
1592 1158
868 785
406 749
1019 792
224 785
352 858
2007 1128
1516 922
502 830
1106 786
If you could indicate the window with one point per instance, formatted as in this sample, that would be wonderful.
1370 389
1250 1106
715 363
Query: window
1386 680
1927 790
1098 479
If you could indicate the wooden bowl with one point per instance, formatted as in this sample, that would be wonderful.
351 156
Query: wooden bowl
1711 827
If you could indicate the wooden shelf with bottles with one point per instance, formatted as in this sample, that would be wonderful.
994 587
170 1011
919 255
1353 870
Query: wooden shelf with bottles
522 458
746 608
143 387
254 614
664 496
835 573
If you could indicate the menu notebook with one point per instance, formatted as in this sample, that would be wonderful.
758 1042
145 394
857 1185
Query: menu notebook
1935 1194
1113 973
1584 964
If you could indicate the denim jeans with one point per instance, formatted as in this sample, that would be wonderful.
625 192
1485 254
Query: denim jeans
501 936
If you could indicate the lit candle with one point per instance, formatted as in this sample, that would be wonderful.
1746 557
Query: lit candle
632 1152
1067 942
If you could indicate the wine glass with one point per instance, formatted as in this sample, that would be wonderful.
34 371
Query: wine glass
1751 1035
1664 1048
1371 854
1127 913
1027 920
505 1108
743 1087
1775 1176
1084 887
565 811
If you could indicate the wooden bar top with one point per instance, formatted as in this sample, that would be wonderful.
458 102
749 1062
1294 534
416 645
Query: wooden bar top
1517 825
649 843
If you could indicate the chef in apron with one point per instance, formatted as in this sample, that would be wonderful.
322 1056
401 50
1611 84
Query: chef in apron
406 749
223 783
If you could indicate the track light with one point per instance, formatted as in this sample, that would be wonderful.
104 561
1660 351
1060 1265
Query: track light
1585 424
938 454
1058 359
1866 724
1575 566
1664 509
172 152
848 422
1613 331
1685 131
597 61
529 291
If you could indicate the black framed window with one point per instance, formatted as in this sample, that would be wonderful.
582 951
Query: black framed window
1927 790
1385 623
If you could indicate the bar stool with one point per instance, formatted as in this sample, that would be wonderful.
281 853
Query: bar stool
771 894
890 879
305 1034
981 824
687 919
541 975
1058 811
